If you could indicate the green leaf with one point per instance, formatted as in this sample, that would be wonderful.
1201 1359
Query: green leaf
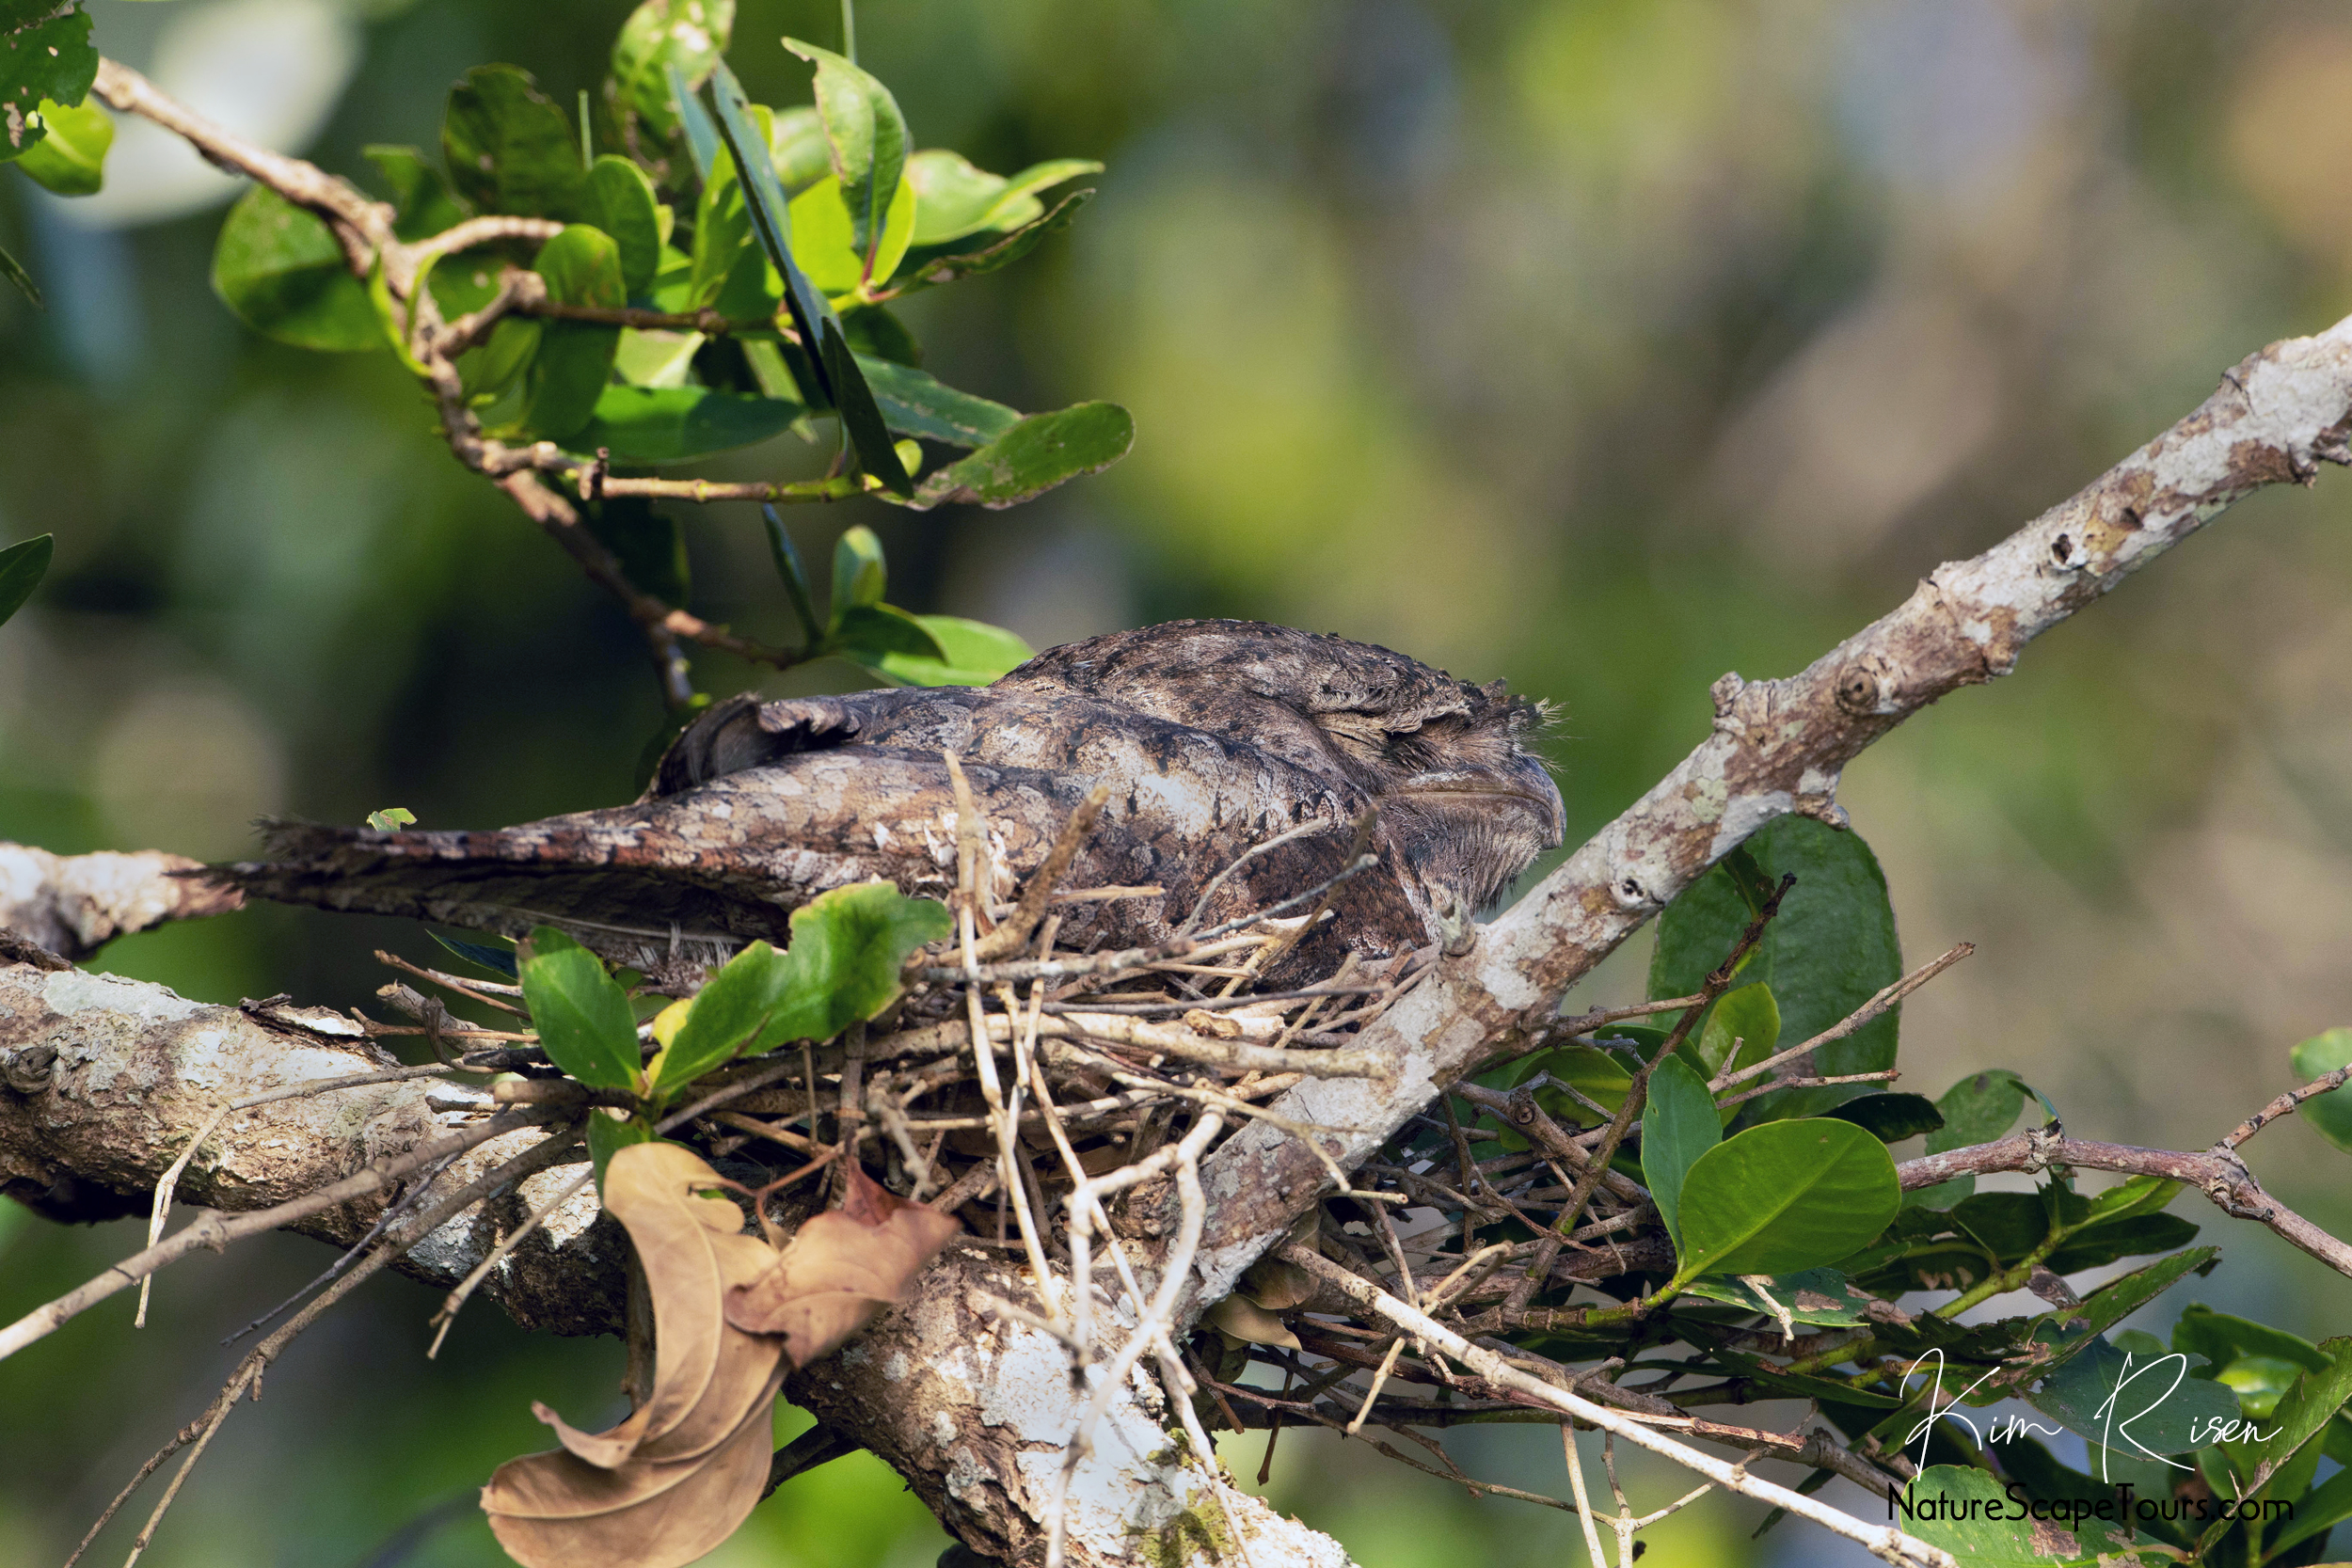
44 53
1751 1016
653 358
2097 1246
647 543
971 654
912 404
608 1133
675 424
786 556
848 949
391 819
796 145
2303 1412
1979 1109
2132 1405
824 246
875 333
281 270
490 370
930 266
22 567
1033 457
813 316
1824 1298
1966 1512
421 203
1890 1118
14 270
2329 1114
2118 1299
71 159
1784 1197
702 137
582 1015
867 138
510 148
621 202
689 35
567 376
497 961
722 233
727 1014
859 574
958 198
870 634
1678 1124
1831 949
2221 1339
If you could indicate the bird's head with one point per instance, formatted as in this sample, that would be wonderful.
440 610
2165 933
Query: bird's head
1466 801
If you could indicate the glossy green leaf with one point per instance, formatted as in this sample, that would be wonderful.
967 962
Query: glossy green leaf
566 377
1678 1124
1820 1298
1831 949
1979 1109
1748 1015
608 1133
1890 1118
930 266
971 653
14 270
423 204
869 634
647 542
1784 1197
866 138
45 53
281 270
2258 1381
2329 1114
621 202
813 316
391 819
689 35
582 1015
848 949
912 404
727 1014
1040 451
859 574
796 145
71 160
511 148
497 961
675 424
959 199
22 567
652 357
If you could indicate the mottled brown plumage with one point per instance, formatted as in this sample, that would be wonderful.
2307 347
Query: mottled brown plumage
1213 736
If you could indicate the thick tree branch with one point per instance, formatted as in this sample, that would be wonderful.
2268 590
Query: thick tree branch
72 905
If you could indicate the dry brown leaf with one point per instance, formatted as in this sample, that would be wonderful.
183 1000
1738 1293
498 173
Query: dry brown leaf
674 1479
554 1510
1237 1317
842 1267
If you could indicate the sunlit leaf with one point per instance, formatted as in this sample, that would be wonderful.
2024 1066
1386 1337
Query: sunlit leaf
71 159
391 819
867 138
690 35
847 948
971 653
870 633
653 358
859 574
1033 457
734 1005
510 148
826 249
281 270
568 375
22 567
582 1015
796 144
912 404
930 266
958 198
675 424
1784 1197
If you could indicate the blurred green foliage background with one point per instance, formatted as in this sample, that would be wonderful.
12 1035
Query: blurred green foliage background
1600 344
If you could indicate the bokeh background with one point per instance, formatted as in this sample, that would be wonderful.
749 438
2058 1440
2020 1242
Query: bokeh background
1601 344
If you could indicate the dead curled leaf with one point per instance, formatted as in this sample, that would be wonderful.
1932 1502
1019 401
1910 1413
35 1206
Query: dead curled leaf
841 1268
673 1480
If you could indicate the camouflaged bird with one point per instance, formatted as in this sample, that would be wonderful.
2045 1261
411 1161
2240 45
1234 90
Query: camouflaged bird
1213 737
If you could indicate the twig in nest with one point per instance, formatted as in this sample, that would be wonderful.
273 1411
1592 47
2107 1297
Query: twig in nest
1039 890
